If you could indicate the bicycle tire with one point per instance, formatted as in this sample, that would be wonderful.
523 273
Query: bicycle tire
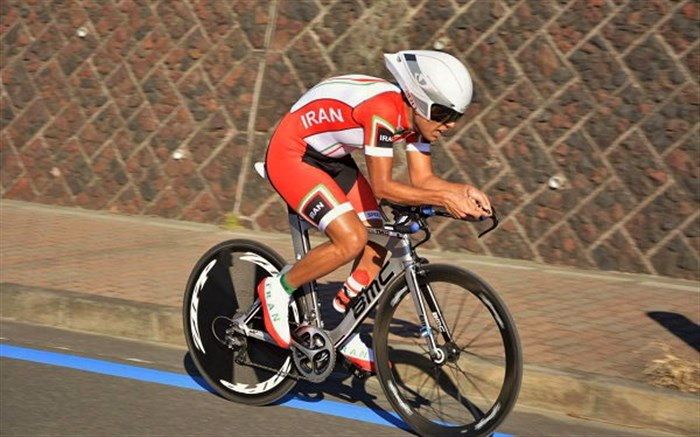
411 410
211 295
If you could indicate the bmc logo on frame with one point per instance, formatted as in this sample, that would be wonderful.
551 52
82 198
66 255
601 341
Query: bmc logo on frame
372 291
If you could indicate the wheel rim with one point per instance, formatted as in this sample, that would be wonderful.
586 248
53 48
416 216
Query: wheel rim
467 391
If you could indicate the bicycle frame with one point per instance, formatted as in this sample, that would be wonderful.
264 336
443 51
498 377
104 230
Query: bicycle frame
402 260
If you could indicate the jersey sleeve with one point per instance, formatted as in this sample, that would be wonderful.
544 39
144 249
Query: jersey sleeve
416 143
379 118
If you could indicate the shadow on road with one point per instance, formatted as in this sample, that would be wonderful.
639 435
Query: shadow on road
341 386
192 370
680 326
346 388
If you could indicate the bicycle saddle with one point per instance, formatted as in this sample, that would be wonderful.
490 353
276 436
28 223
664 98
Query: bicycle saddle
260 168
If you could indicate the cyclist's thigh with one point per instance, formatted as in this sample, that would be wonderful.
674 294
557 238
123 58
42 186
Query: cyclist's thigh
347 229
307 189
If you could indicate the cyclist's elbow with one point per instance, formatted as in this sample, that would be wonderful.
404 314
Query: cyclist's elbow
380 191
383 190
420 181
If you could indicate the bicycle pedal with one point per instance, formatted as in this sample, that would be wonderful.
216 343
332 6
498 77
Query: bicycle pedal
360 374
354 371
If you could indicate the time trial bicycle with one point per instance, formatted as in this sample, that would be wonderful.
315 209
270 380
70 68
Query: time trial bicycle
447 351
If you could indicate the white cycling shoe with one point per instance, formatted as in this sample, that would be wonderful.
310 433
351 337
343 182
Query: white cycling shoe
359 354
275 305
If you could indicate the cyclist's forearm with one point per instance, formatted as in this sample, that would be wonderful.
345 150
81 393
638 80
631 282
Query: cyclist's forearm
398 192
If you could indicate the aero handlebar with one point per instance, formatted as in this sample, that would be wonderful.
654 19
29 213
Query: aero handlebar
408 223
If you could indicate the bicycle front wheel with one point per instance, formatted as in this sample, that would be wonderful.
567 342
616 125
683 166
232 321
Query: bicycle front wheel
473 383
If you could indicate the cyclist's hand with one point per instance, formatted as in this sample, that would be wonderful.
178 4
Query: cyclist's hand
461 206
480 198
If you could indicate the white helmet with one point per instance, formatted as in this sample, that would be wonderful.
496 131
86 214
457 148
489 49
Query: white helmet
428 77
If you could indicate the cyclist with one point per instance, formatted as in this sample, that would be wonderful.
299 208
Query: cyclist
308 163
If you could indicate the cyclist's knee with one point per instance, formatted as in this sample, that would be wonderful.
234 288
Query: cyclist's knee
348 235
352 244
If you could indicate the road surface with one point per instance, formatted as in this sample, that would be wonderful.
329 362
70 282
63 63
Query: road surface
116 394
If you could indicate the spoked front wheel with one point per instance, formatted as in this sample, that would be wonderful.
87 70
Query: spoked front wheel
222 286
472 383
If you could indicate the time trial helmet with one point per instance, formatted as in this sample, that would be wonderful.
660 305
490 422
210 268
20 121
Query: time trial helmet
437 85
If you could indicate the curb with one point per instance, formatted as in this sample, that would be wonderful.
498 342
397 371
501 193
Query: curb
92 314
593 397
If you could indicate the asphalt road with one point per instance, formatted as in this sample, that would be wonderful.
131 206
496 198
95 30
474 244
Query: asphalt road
43 399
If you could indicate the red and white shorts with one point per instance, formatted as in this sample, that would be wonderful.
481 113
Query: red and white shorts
317 187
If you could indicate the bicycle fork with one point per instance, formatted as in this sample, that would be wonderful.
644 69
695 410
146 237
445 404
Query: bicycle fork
425 300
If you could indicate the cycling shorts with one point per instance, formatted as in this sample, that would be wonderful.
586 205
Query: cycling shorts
317 187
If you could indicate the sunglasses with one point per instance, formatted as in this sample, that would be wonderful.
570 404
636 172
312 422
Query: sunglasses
443 114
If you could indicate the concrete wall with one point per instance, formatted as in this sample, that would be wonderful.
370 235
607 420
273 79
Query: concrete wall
97 95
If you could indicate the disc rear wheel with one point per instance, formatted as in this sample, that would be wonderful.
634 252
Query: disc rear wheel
222 286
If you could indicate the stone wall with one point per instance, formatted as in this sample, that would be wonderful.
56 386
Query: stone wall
100 98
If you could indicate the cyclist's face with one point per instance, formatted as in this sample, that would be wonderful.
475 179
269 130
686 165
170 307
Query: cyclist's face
431 130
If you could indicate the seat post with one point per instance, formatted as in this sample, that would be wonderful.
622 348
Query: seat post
300 234
300 241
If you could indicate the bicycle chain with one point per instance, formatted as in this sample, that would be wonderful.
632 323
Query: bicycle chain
245 362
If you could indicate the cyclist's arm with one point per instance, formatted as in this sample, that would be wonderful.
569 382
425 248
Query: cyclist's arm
385 187
420 172
379 118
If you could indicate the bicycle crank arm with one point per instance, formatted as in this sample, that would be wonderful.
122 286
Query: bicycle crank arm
264 336
254 333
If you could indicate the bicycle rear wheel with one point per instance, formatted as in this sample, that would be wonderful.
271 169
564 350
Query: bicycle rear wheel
476 386
221 286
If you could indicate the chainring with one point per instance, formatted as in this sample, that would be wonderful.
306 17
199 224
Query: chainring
313 353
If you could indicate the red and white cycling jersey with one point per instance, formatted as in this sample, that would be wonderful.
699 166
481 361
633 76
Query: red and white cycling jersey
349 112
308 160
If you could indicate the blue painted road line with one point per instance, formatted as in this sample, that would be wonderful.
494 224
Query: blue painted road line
180 380
99 366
